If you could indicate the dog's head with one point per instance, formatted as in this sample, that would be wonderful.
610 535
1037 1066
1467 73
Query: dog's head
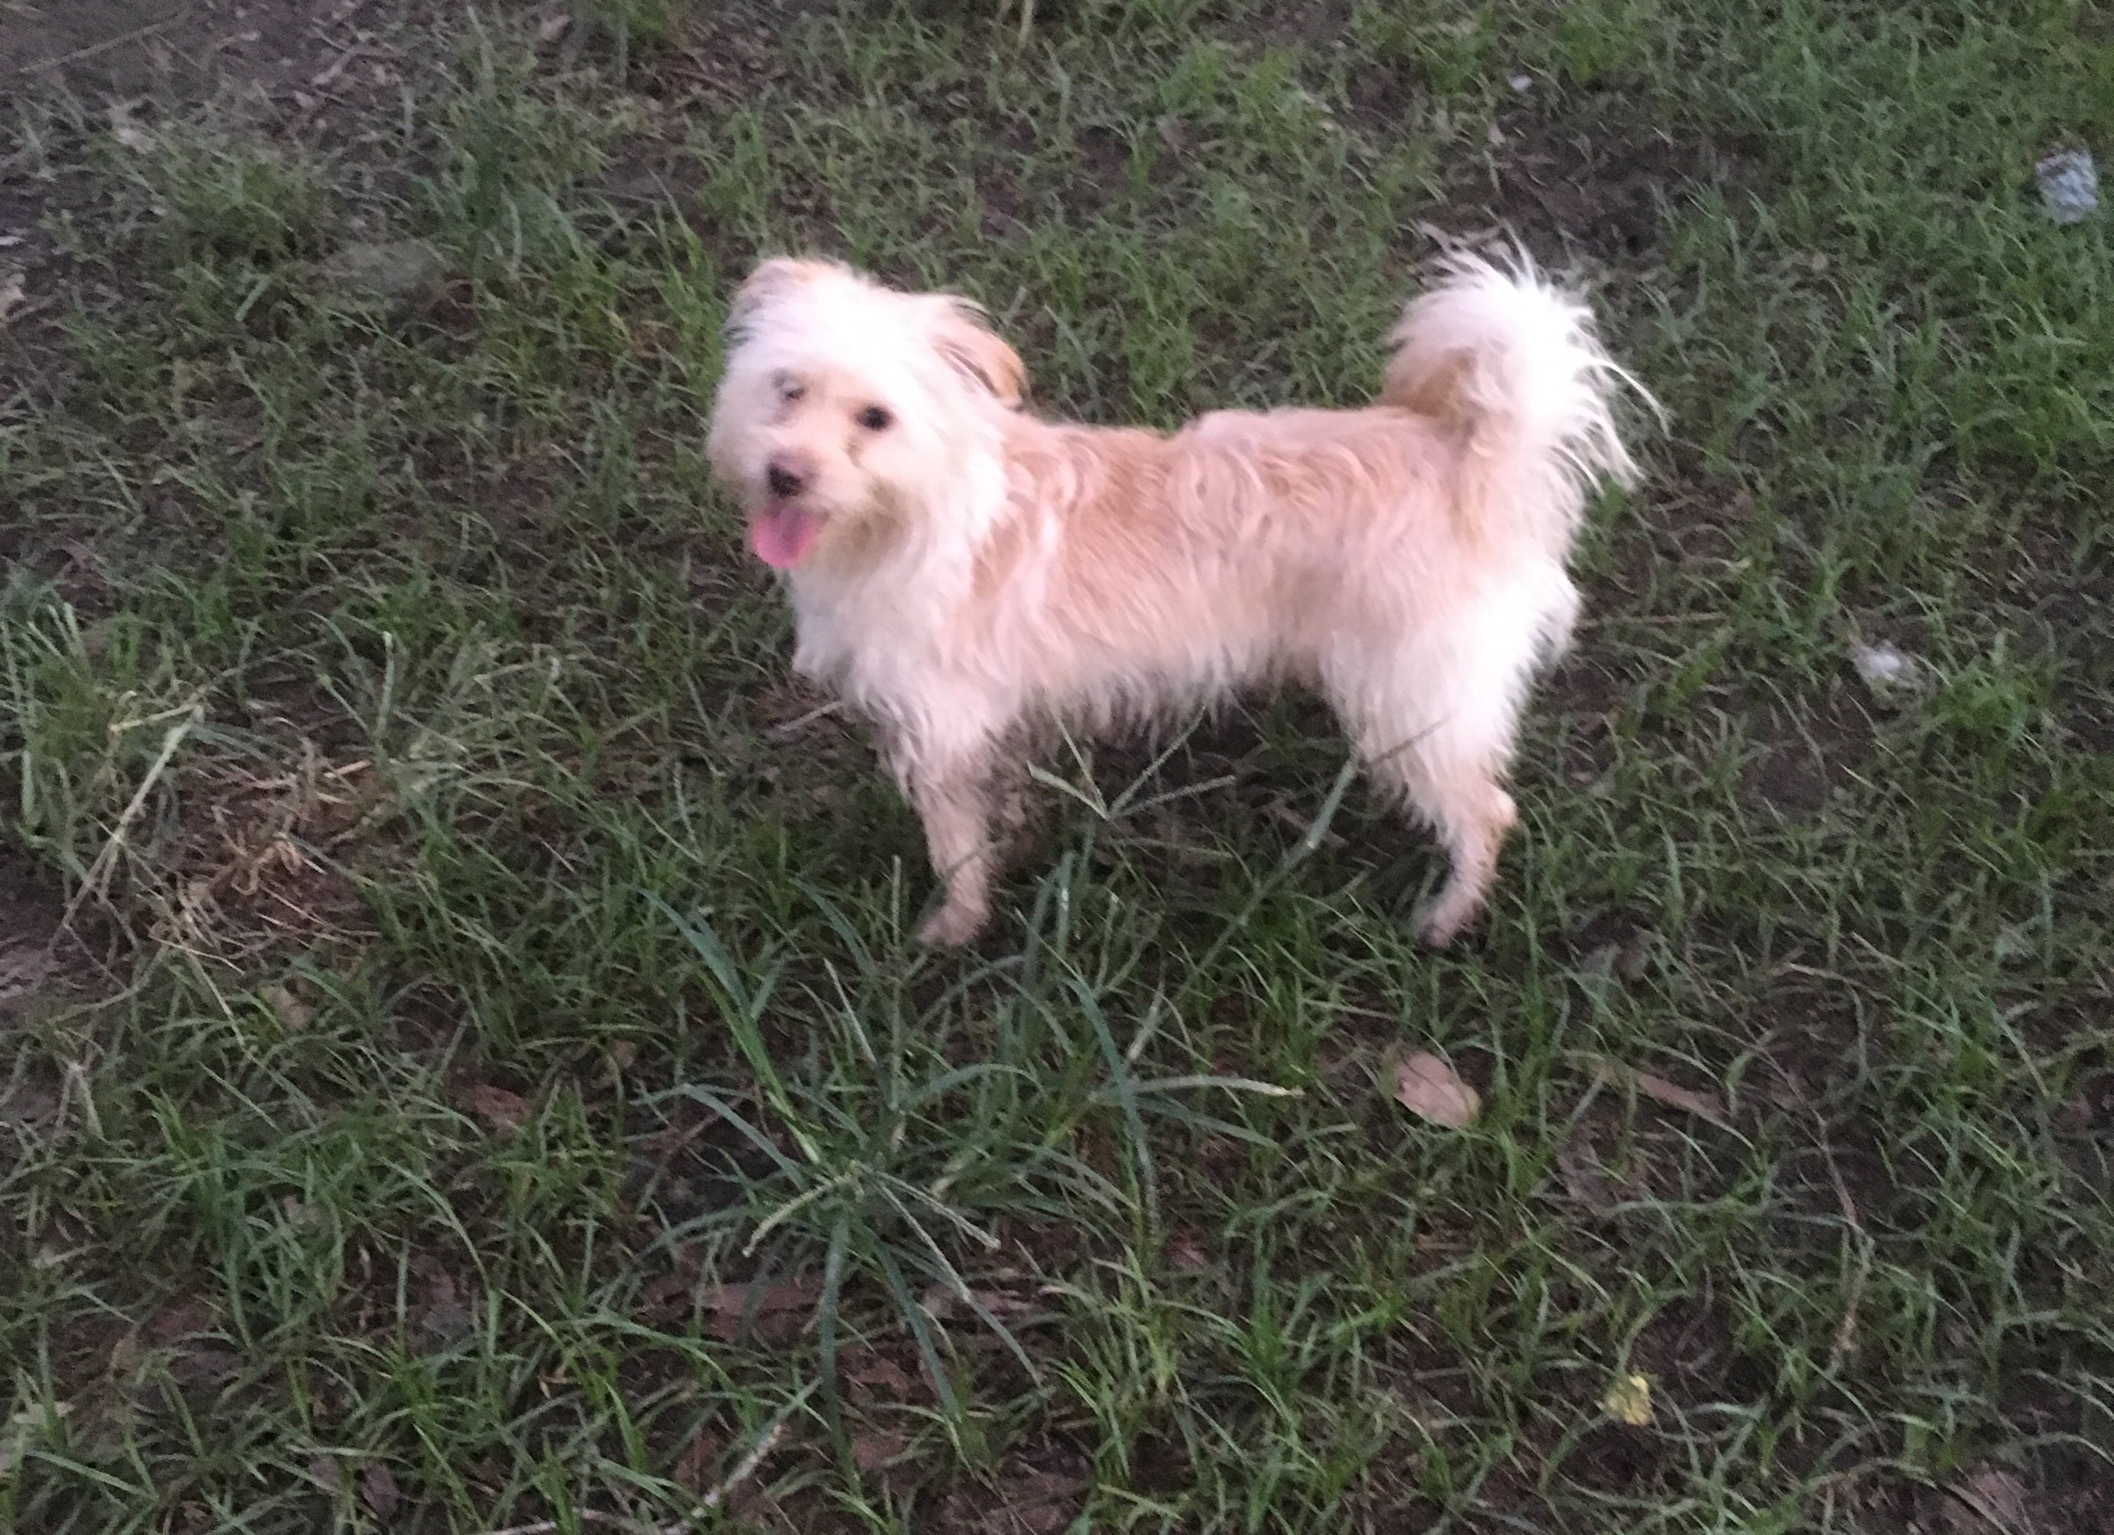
849 410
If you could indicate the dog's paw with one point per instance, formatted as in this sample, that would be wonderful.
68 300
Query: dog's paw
952 926
1445 920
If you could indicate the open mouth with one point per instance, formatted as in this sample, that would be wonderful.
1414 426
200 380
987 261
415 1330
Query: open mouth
783 533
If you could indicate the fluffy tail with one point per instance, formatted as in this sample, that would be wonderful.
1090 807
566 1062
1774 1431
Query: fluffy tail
1511 363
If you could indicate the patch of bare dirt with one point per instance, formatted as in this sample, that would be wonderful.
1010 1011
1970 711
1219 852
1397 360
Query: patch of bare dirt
115 45
1688 1350
1806 759
39 966
31 916
299 65
120 49
259 857
1806 1024
1991 1499
1594 178
1308 23
1585 698
309 70
1038 1489
2073 602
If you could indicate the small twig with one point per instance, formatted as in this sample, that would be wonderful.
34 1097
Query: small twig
343 12
137 34
588 1516
792 728
1846 1329
323 77
99 871
712 1499
75 1081
1980 1505
26 308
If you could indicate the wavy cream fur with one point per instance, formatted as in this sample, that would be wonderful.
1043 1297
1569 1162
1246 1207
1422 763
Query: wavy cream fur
978 569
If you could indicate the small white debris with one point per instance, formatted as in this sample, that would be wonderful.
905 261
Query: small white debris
2069 185
1520 83
128 132
1881 666
1893 676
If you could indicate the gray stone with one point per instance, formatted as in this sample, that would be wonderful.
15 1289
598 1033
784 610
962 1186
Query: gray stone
401 275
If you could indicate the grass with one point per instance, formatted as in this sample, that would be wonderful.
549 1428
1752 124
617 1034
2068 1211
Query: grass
498 1084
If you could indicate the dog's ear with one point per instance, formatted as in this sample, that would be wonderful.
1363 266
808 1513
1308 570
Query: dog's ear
773 279
973 349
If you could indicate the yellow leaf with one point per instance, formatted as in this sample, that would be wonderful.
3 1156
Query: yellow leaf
1629 1401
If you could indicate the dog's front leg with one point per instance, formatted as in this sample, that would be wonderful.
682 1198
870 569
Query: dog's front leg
954 802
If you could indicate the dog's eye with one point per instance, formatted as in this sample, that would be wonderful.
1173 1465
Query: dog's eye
875 419
790 389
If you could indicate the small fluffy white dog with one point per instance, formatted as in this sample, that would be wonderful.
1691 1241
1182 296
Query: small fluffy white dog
961 570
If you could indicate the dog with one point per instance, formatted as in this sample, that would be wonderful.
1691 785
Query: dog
961 570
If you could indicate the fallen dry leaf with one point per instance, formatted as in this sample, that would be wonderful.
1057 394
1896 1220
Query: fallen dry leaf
1431 1089
205 1366
942 1304
1186 1253
295 1014
1677 1096
872 1373
500 1111
180 1319
1629 1400
442 1309
1022 1498
693 1468
776 1311
671 1141
666 1296
1707 1105
780 1295
324 1469
1788 1091
876 1448
378 1491
1988 1501
1583 1178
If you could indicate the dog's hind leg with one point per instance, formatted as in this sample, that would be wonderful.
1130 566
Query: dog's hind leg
1472 814
1453 782
1434 721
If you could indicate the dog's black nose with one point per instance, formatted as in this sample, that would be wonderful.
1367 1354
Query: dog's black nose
783 481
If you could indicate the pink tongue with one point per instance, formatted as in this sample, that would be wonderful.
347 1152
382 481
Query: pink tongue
784 534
